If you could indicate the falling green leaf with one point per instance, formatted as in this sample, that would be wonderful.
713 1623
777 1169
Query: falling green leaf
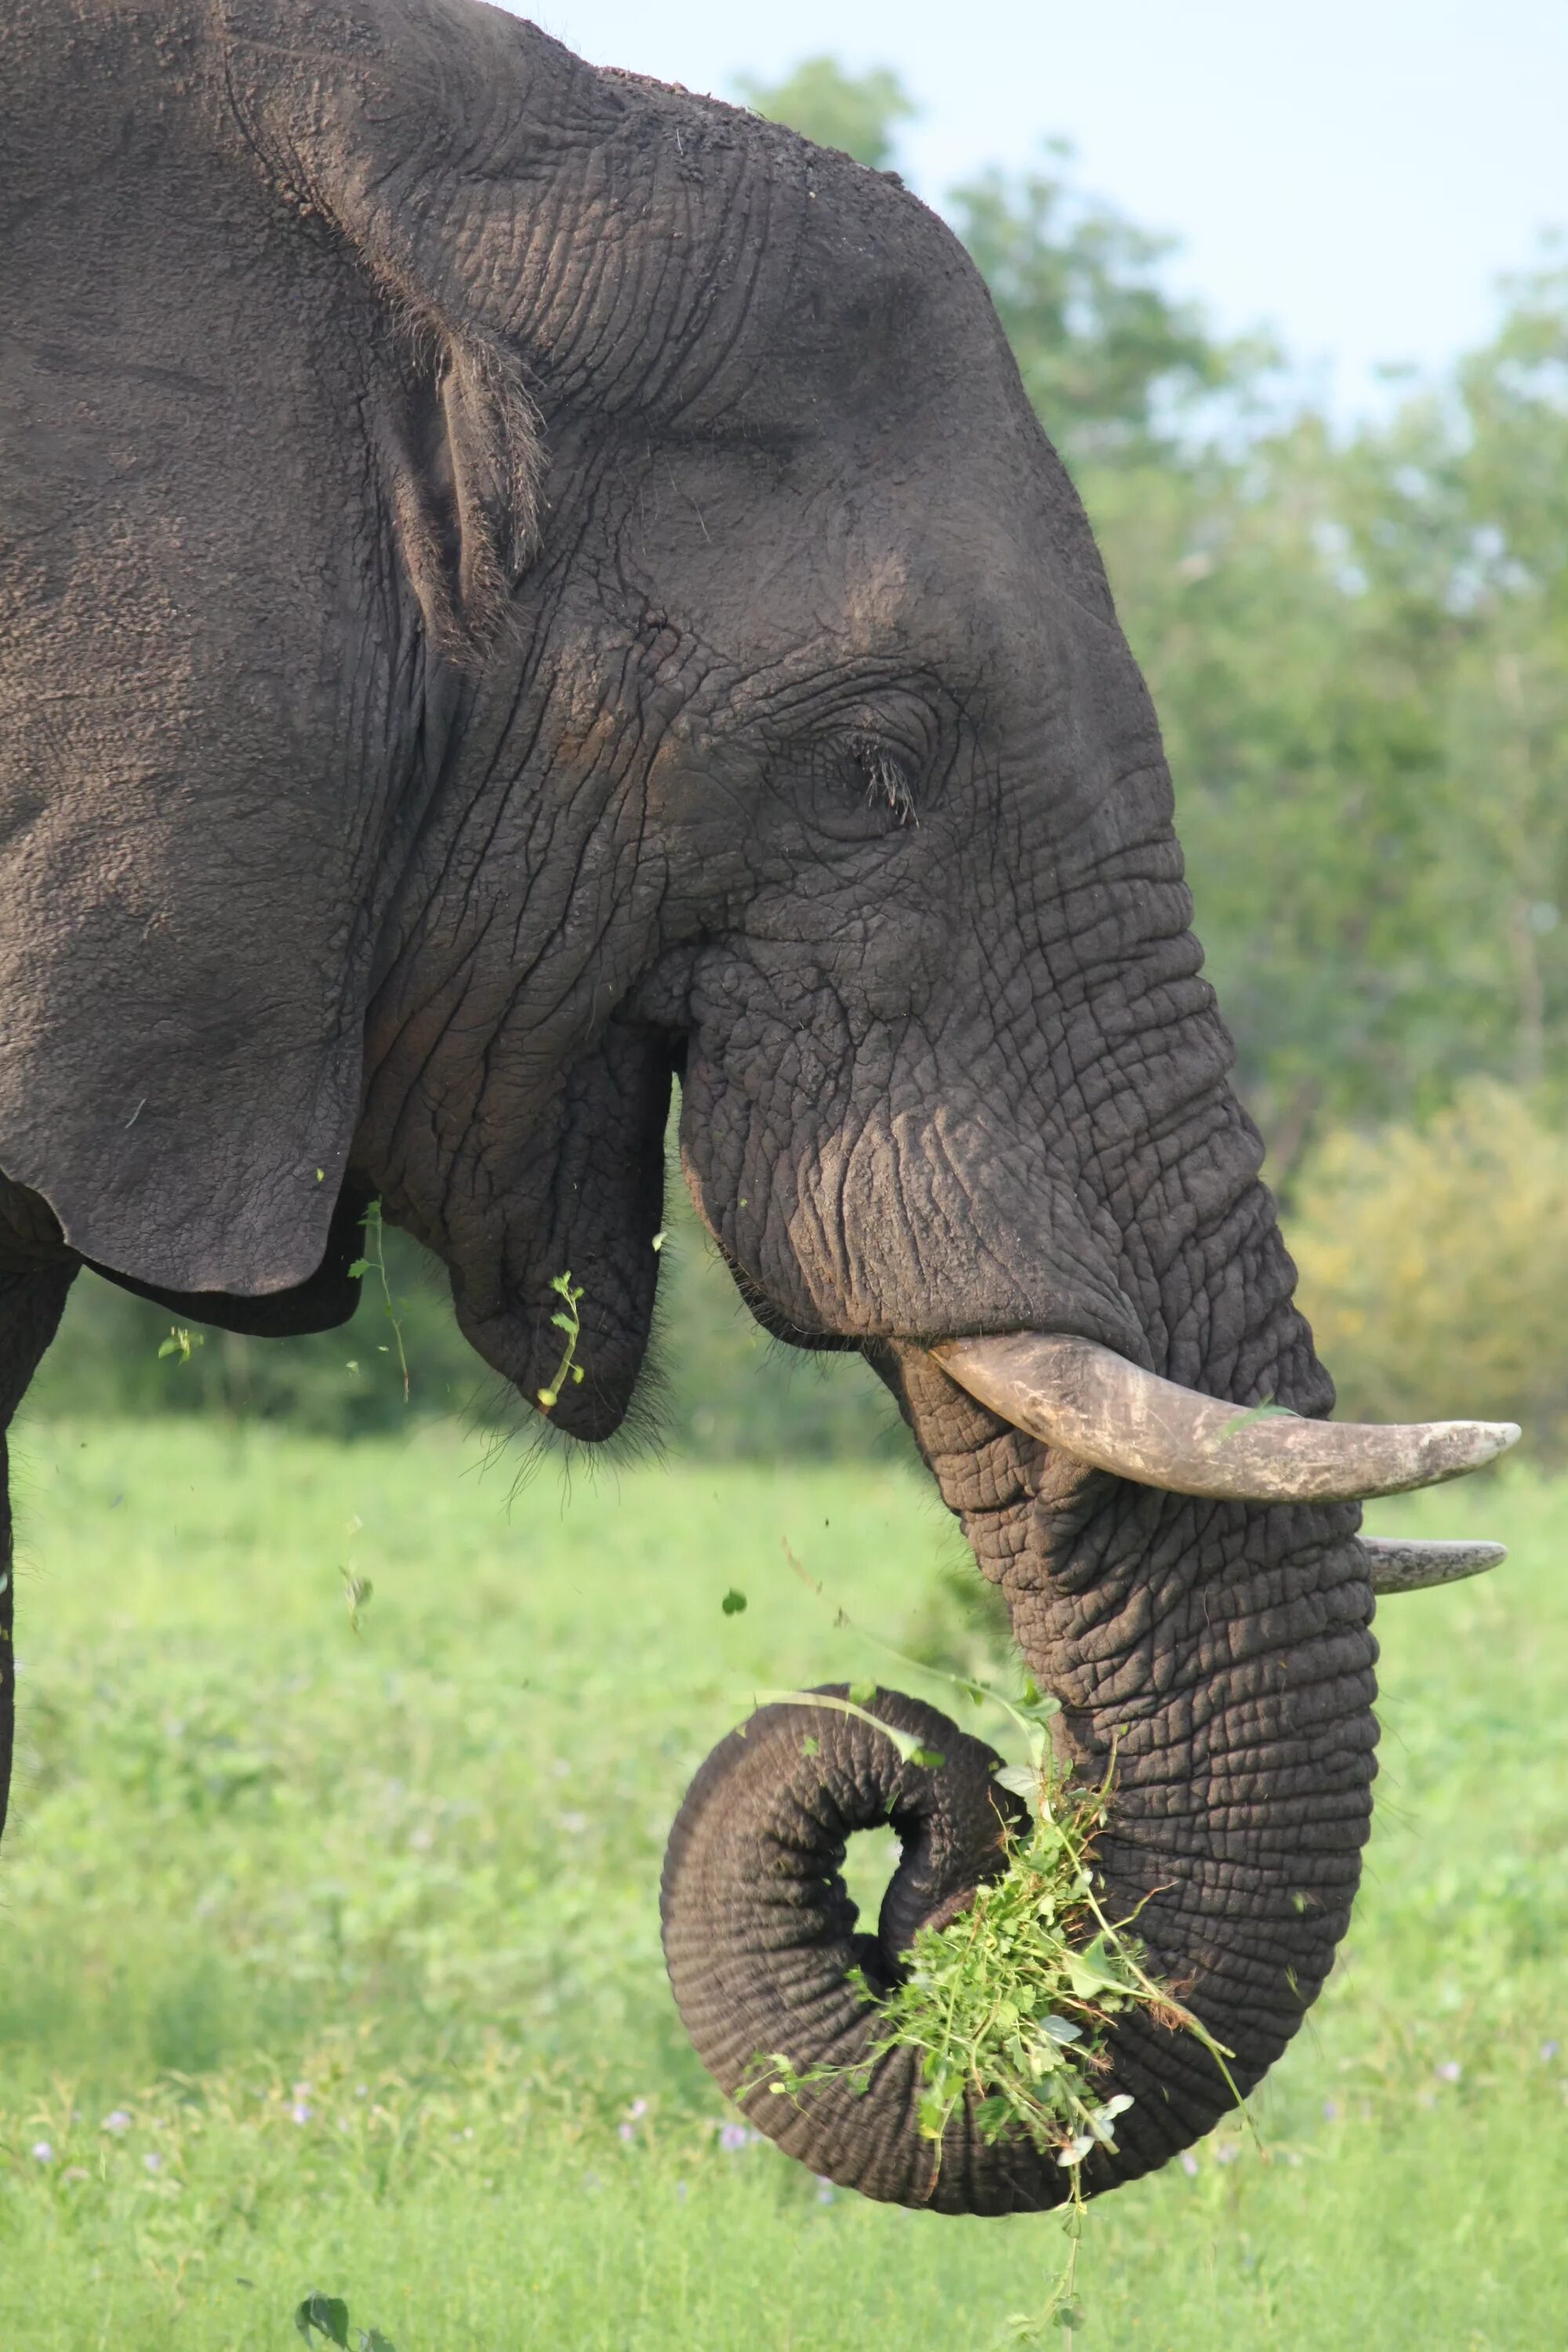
375 1263
733 1603
1267 1411
323 2314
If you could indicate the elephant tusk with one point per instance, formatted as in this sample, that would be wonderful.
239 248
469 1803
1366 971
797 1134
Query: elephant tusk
1400 1566
1094 1405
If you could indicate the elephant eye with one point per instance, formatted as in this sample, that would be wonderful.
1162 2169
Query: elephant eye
886 780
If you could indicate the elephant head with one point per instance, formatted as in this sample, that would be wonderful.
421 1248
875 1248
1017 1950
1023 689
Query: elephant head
521 583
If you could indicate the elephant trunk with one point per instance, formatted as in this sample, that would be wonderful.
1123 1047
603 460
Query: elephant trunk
1221 1650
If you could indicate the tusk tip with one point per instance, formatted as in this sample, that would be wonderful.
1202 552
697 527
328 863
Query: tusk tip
1395 1566
1456 1447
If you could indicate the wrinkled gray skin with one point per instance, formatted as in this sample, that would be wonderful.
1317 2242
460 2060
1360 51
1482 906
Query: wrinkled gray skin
515 581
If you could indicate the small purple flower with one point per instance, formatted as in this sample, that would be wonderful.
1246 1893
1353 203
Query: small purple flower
1189 2164
638 2109
300 2112
1449 2071
681 2192
116 2121
1549 2051
824 2191
733 2138
628 2132
1331 2110
152 2160
43 2153
1228 2153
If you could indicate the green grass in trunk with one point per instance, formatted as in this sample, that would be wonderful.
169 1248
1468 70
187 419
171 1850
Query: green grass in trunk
330 1960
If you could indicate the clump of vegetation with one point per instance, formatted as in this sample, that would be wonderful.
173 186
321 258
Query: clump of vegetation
1011 2001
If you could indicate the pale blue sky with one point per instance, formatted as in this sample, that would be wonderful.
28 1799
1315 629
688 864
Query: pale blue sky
1355 173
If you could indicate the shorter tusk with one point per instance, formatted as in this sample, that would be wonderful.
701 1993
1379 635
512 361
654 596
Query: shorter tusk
1094 1405
1411 1567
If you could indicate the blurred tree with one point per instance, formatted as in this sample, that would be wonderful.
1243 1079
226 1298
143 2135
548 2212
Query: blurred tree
1359 650
858 113
344 1383
1433 1263
1111 363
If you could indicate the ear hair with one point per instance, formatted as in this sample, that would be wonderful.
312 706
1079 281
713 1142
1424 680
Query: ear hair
468 457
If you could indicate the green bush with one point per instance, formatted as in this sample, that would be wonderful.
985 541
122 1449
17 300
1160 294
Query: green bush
717 1387
1434 1265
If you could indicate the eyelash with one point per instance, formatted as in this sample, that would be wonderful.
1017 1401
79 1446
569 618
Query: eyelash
886 781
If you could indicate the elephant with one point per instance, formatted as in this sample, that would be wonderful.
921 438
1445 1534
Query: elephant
522 584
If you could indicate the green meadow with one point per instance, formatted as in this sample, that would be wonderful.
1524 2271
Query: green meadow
329 1951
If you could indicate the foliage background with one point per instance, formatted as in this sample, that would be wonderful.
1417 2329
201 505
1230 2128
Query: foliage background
1357 639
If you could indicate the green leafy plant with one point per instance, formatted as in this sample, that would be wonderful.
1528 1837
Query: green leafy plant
327 2315
566 1319
375 1262
182 1342
1267 1411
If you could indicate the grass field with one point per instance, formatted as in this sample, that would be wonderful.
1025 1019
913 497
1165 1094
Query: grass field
328 1958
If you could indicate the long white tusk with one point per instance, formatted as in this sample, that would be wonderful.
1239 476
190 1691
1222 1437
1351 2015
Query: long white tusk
1094 1405
1411 1567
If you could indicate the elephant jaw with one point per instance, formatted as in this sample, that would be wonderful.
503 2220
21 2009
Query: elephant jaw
1094 1406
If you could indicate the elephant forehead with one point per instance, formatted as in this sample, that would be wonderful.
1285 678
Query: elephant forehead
832 560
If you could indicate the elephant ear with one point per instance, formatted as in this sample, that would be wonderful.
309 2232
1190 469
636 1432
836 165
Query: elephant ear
267 470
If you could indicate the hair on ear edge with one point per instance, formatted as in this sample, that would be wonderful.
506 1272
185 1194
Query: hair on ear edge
468 476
